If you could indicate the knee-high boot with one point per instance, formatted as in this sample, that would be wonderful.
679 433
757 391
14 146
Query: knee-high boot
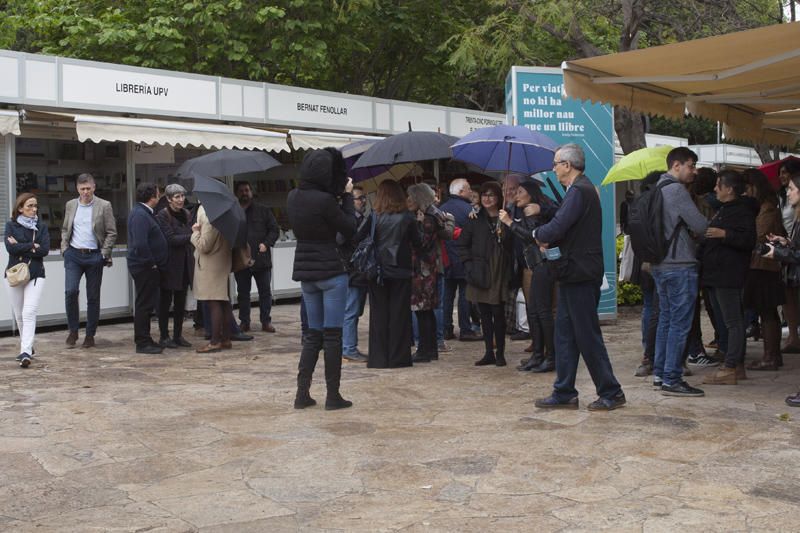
332 343
312 344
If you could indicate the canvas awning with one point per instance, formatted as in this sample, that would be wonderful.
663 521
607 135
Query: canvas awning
745 80
9 122
143 130
305 139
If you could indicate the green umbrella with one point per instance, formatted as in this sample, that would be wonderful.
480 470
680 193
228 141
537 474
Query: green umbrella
636 165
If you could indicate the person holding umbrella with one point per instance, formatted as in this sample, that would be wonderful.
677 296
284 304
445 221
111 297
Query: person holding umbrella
212 266
319 208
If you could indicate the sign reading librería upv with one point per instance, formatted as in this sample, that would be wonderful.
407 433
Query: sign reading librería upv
98 87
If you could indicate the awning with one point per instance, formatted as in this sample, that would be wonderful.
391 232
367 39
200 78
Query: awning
142 130
305 140
9 122
739 79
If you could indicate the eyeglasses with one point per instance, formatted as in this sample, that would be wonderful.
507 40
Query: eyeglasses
556 163
359 198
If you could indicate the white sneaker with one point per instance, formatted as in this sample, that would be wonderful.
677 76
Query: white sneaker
701 360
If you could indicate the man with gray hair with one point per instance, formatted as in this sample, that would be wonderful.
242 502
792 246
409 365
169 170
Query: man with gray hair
87 237
576 230
459 206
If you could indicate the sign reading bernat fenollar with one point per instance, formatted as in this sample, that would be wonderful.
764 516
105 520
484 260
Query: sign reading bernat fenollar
90 86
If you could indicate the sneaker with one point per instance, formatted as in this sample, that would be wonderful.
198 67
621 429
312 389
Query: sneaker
470 336
701 360
444 347
681 389
657 382
356 357
603 404
25 360
644 369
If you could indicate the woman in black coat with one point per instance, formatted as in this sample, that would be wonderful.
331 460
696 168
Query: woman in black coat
318 209
537 209
27 241
485 248
725 257
176 224
396 232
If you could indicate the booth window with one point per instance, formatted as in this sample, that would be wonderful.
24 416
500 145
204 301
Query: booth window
49 168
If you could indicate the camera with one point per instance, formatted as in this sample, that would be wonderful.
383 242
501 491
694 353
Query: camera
763 248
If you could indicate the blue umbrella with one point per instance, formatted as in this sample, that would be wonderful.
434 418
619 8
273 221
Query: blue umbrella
506 149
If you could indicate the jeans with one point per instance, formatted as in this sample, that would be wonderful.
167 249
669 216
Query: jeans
325 301
76 264
677 294
464 309
356 298
728 306
578 334
244 285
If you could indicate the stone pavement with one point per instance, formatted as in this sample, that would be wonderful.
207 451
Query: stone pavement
106 440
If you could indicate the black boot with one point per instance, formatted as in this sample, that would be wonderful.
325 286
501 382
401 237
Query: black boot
332 343
500 358
312 344
531 363
488 359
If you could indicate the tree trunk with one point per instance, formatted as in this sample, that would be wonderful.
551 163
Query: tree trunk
767 153
629 126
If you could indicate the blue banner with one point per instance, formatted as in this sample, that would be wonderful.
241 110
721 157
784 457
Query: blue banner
537 103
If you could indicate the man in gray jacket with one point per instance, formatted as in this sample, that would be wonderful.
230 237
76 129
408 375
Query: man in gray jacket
676 276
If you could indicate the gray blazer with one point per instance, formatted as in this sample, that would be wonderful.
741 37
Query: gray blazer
103 225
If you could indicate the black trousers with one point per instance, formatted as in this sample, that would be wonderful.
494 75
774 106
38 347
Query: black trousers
177 300
390 324
146 284
493 323
540 310
426 321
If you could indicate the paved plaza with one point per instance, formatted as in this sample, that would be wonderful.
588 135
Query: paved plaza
107 440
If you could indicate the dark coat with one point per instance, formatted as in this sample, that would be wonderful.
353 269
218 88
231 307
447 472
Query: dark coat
177 275
316 216
474 247
460 209
147 247
725 262
395 234
262 228
23 251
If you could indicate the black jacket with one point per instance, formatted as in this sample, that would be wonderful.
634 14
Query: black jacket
262 228
522 227
395 234
316 217
725 262
475 246
177 229
790 255
147 247
23 251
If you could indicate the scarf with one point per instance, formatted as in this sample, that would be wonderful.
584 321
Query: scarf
28 222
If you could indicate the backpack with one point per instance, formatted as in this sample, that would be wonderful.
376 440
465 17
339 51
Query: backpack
646 226
365 258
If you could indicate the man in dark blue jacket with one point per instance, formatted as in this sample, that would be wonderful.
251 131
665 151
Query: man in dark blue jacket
576 230
455 279
147 252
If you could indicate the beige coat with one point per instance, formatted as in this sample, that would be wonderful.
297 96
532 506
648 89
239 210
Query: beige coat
212 261
103 225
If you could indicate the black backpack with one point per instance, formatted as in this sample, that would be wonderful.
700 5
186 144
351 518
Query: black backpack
646 226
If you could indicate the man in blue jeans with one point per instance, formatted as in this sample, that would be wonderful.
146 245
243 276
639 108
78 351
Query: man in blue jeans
357 286
676 276
459 205
87 237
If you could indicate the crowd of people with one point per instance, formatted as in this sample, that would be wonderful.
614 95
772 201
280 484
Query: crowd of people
436 254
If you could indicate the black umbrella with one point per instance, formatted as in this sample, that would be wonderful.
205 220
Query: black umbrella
227 163
407 147
222 209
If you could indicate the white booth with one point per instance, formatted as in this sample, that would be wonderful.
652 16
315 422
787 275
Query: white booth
60 117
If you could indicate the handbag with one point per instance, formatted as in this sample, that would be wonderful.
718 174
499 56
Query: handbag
19 274
241 258
365 258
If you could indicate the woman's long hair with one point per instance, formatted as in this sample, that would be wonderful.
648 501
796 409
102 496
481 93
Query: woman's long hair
762 189
390 198
21 199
